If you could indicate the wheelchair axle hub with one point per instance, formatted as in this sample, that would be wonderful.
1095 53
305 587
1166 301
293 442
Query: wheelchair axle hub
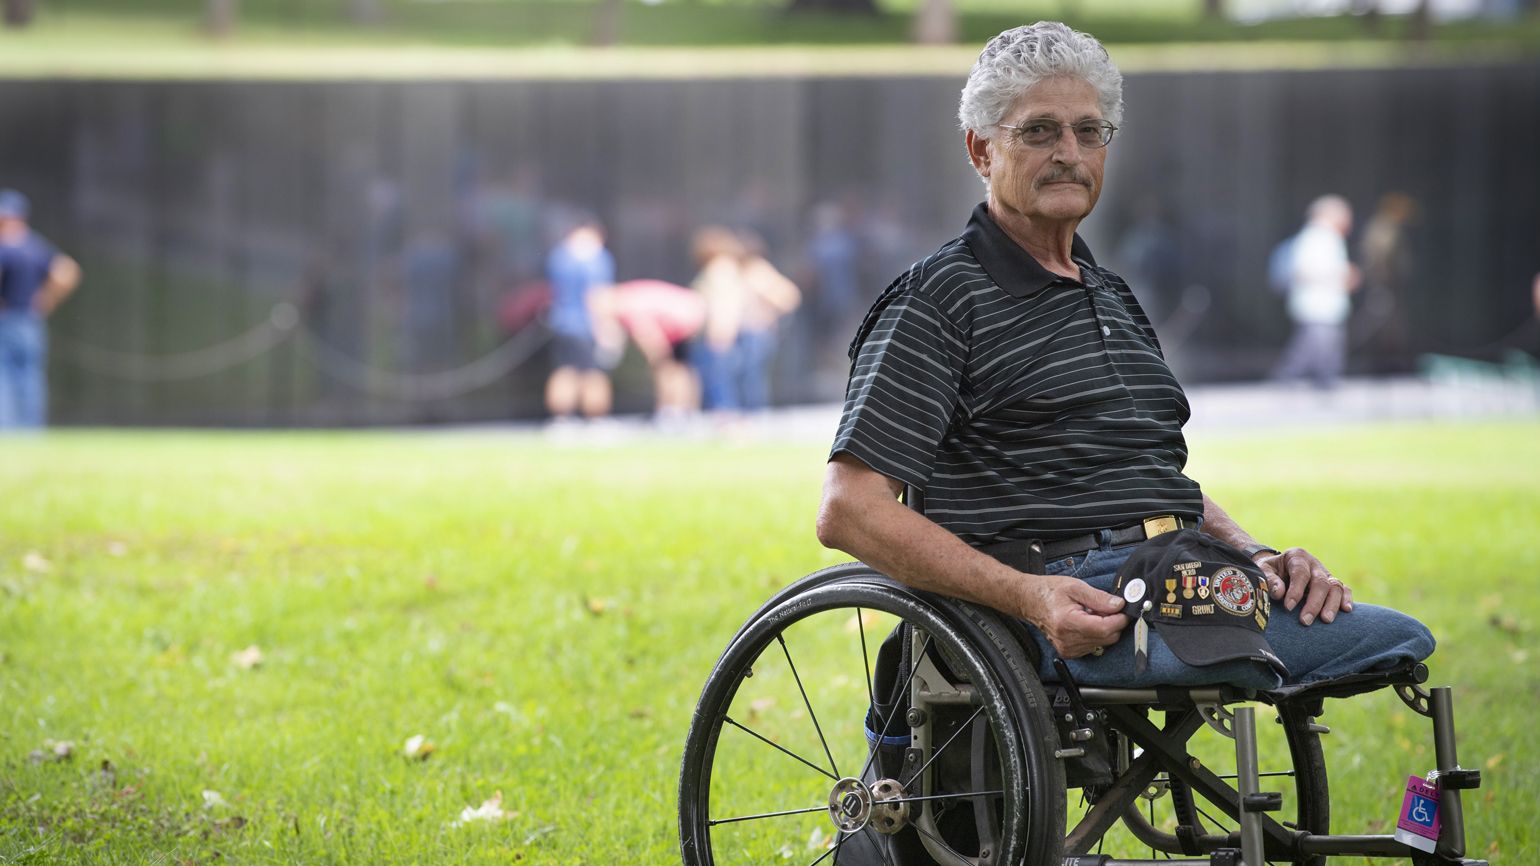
853 805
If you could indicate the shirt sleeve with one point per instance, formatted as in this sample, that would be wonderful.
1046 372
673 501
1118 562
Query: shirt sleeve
905 380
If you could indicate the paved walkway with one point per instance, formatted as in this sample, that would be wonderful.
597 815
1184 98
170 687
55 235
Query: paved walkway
1234 409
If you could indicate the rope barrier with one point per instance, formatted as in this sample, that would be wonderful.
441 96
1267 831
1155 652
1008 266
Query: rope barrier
135 367
282 323
427 386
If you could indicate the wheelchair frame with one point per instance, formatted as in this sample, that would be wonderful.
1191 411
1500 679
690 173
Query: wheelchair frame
1082 719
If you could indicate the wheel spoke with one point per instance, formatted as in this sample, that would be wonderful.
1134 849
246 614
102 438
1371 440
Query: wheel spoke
950 740
763 815
809 704
865 660
914 666
777 746
1216 822
1272 773
968 795
881 851
933 837
1152 824
838 841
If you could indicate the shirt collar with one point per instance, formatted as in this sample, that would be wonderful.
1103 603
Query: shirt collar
1010 267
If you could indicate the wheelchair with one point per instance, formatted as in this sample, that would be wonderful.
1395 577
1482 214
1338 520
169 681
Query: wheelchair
856 720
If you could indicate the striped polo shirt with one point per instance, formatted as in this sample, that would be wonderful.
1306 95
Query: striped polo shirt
1024 404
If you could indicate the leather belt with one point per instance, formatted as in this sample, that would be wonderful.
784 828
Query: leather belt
1021 553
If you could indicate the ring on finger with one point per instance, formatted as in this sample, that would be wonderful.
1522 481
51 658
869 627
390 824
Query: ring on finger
1098 651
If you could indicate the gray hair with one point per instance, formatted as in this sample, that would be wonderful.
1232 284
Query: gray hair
1021 57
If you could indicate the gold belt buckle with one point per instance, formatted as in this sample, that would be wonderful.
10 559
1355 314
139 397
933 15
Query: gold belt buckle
1161 525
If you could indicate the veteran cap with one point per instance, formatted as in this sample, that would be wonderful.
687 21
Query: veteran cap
1208 600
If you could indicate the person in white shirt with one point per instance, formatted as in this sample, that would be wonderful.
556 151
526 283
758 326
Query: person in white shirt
1321 277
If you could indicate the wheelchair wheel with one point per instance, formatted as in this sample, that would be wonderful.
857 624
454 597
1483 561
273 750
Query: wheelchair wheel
782 763
1291 762
1300 775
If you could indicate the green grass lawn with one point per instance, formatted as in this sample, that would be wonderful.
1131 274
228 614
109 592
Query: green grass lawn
545 616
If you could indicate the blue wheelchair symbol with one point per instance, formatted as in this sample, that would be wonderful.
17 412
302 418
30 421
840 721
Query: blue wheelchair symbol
1422 811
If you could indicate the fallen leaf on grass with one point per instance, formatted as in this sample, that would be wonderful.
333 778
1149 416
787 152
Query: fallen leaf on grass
35 562
1507 623
758 706
818 841
489 810
117 548
640 713
595 605
213 799
418 748
53 751
234 822
538 832
1493 761
247 658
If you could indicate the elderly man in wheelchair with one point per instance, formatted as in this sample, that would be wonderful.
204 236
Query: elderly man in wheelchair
1044 602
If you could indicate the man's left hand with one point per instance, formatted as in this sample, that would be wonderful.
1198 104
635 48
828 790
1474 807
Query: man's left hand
1297 578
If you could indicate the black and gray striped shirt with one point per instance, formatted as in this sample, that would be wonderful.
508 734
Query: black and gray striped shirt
1024 404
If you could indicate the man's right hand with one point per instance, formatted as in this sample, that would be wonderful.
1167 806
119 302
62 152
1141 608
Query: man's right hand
1075 617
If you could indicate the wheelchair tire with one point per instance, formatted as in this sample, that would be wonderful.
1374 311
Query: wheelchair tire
754 788
1311 806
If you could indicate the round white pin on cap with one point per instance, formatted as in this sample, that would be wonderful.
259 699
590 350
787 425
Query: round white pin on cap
1134 590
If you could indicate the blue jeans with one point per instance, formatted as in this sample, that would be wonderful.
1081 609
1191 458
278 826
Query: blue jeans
752 355
1367 638
719 389
23 365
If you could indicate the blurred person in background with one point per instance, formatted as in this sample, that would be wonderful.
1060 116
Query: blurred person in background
834 263
576 268
718 254
1386 256
768 297
1321 279
660 318
34 279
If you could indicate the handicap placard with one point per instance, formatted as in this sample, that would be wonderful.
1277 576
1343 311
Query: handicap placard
1419 822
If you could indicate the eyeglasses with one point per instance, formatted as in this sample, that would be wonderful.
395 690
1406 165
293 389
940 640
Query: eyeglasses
1045 133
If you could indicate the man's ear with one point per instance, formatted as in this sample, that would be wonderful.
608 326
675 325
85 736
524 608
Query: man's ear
978 152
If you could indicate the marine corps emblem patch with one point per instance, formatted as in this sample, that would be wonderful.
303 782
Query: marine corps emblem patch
1234 591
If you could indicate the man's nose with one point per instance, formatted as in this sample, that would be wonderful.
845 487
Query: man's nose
1067 149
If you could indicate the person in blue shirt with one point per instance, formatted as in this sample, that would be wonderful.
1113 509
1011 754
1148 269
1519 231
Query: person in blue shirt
34 279
578 267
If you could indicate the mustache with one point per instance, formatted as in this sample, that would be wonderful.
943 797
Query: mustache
1063 176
